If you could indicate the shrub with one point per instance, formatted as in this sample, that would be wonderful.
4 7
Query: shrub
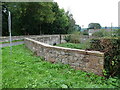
102 33
117 32
72 45
67 38
73 38
111 48
85 32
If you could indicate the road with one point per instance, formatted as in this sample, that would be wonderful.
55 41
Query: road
13 44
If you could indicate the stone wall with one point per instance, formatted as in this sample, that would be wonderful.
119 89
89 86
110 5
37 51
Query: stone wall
6 38
89 61
50 39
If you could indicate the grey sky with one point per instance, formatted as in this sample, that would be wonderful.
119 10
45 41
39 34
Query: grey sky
84 12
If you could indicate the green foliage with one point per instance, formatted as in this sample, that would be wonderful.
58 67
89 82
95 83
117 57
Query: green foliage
118 32
34 18
77 28
67 38
102 33
104 72
94 26
60 23
73 38
71 25
85 32
23 70
111 48
72 45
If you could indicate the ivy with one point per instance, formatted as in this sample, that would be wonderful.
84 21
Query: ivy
111 48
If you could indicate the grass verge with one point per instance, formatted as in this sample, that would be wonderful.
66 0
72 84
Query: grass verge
24 70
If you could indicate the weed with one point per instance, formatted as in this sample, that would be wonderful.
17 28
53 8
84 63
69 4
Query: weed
23 70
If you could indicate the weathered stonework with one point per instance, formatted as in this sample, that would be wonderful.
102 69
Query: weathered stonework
90 61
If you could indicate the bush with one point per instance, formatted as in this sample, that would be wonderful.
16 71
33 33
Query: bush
118 32
73 38
72 45
85 32
102 33
111 48
67 38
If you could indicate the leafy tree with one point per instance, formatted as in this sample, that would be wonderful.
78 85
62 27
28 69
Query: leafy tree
94 26
77 28
4 18
38 18
60 23
45 14
71 26
28 17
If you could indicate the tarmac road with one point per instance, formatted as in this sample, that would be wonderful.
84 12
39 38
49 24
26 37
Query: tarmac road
13 44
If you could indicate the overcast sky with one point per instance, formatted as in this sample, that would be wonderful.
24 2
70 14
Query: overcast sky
84 12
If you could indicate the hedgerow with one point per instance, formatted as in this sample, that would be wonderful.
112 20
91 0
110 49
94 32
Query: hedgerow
111 47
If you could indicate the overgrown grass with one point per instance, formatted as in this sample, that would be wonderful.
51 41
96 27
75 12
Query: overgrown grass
24 70
74 45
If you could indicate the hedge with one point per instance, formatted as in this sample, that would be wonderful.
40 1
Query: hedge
111 47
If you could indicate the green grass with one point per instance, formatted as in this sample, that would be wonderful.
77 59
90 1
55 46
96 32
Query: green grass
24 70
9 41
73 45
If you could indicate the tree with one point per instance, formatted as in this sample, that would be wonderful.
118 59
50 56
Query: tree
77 28
71 26
5 19
94 26
59 24
61 21
30 18
45 14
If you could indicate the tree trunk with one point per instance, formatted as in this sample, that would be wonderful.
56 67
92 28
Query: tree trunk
40 30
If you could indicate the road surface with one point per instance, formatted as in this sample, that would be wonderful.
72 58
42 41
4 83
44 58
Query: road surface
13 44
